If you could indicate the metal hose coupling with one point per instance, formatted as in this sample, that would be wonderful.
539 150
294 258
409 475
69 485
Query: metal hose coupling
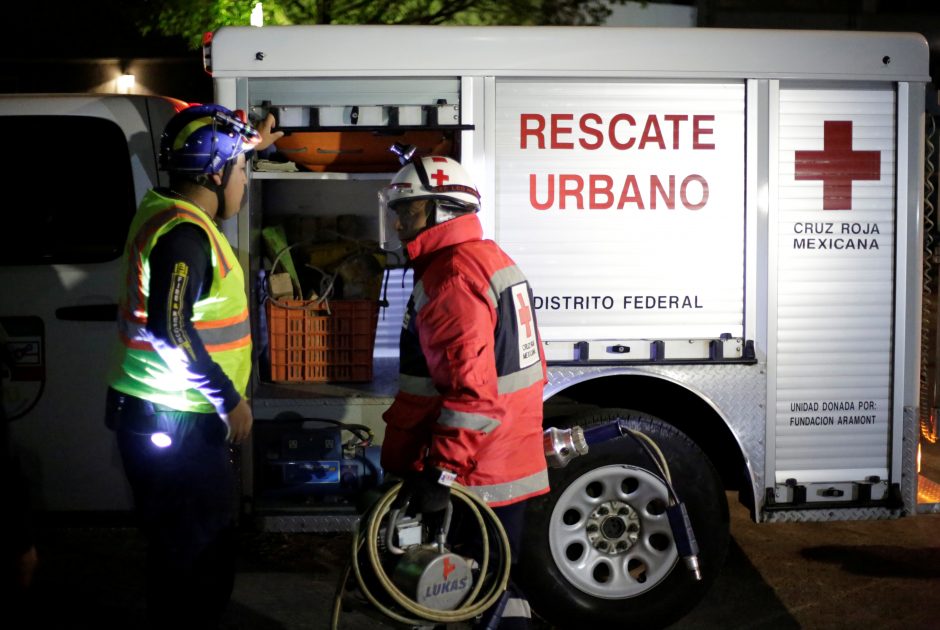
682 533
563 445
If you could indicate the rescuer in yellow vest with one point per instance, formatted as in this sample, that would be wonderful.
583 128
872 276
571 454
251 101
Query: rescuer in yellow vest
177 385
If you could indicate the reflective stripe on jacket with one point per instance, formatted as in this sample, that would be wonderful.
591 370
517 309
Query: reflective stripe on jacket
220 317
472 369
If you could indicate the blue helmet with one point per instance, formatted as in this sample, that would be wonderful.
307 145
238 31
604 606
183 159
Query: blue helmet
201 139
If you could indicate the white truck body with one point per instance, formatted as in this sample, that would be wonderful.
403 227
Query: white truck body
738 213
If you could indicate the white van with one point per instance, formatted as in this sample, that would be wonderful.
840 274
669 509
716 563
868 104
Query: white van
79 165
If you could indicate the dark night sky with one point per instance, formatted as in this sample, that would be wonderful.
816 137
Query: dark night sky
93 28
58 45
105 28
48 43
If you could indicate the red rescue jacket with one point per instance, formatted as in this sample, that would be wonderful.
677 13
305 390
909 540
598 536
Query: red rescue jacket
472 369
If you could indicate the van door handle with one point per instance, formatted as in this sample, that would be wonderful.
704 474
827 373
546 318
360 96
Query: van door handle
88 313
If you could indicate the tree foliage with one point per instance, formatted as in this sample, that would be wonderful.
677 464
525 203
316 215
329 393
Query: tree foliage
191 20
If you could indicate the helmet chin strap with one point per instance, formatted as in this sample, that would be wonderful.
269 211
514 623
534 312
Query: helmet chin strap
219 189
431 213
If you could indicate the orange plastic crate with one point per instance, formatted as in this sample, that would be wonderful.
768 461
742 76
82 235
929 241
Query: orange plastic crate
309 344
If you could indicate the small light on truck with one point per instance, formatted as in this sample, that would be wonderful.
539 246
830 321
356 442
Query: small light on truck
125 83
257 15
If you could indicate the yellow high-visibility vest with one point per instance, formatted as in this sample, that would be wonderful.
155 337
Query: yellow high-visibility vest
220 317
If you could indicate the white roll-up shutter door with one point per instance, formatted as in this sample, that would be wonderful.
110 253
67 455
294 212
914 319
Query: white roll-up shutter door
835 229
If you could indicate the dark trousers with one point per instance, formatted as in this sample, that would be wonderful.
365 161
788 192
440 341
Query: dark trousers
511 612
184 496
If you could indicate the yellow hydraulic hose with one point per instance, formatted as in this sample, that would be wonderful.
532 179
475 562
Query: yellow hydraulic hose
368 536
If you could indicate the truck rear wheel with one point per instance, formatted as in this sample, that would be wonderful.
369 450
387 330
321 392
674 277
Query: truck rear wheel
599 545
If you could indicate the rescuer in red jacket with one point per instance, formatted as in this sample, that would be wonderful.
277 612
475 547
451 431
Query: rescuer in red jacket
469 405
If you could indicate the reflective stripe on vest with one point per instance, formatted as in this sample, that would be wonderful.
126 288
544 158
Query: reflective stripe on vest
517 608
417 385
467 420
134 277
216 336
503 279
424 386
499 493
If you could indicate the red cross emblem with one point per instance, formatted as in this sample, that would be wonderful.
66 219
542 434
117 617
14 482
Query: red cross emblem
837 165
525 314
439 177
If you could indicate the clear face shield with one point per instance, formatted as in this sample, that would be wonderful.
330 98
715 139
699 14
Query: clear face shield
401 220
388 235
389 219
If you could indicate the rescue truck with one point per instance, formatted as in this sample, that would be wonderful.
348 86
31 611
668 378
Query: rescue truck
725 234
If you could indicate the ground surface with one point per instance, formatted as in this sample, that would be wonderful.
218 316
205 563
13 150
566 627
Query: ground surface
796 575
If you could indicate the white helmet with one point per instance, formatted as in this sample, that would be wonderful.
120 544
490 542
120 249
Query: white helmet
435 177
439 178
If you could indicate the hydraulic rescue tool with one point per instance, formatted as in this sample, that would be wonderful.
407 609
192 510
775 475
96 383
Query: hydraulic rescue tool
408 572
411 569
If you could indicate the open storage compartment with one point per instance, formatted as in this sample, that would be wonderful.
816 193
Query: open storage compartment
327 334
331 321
